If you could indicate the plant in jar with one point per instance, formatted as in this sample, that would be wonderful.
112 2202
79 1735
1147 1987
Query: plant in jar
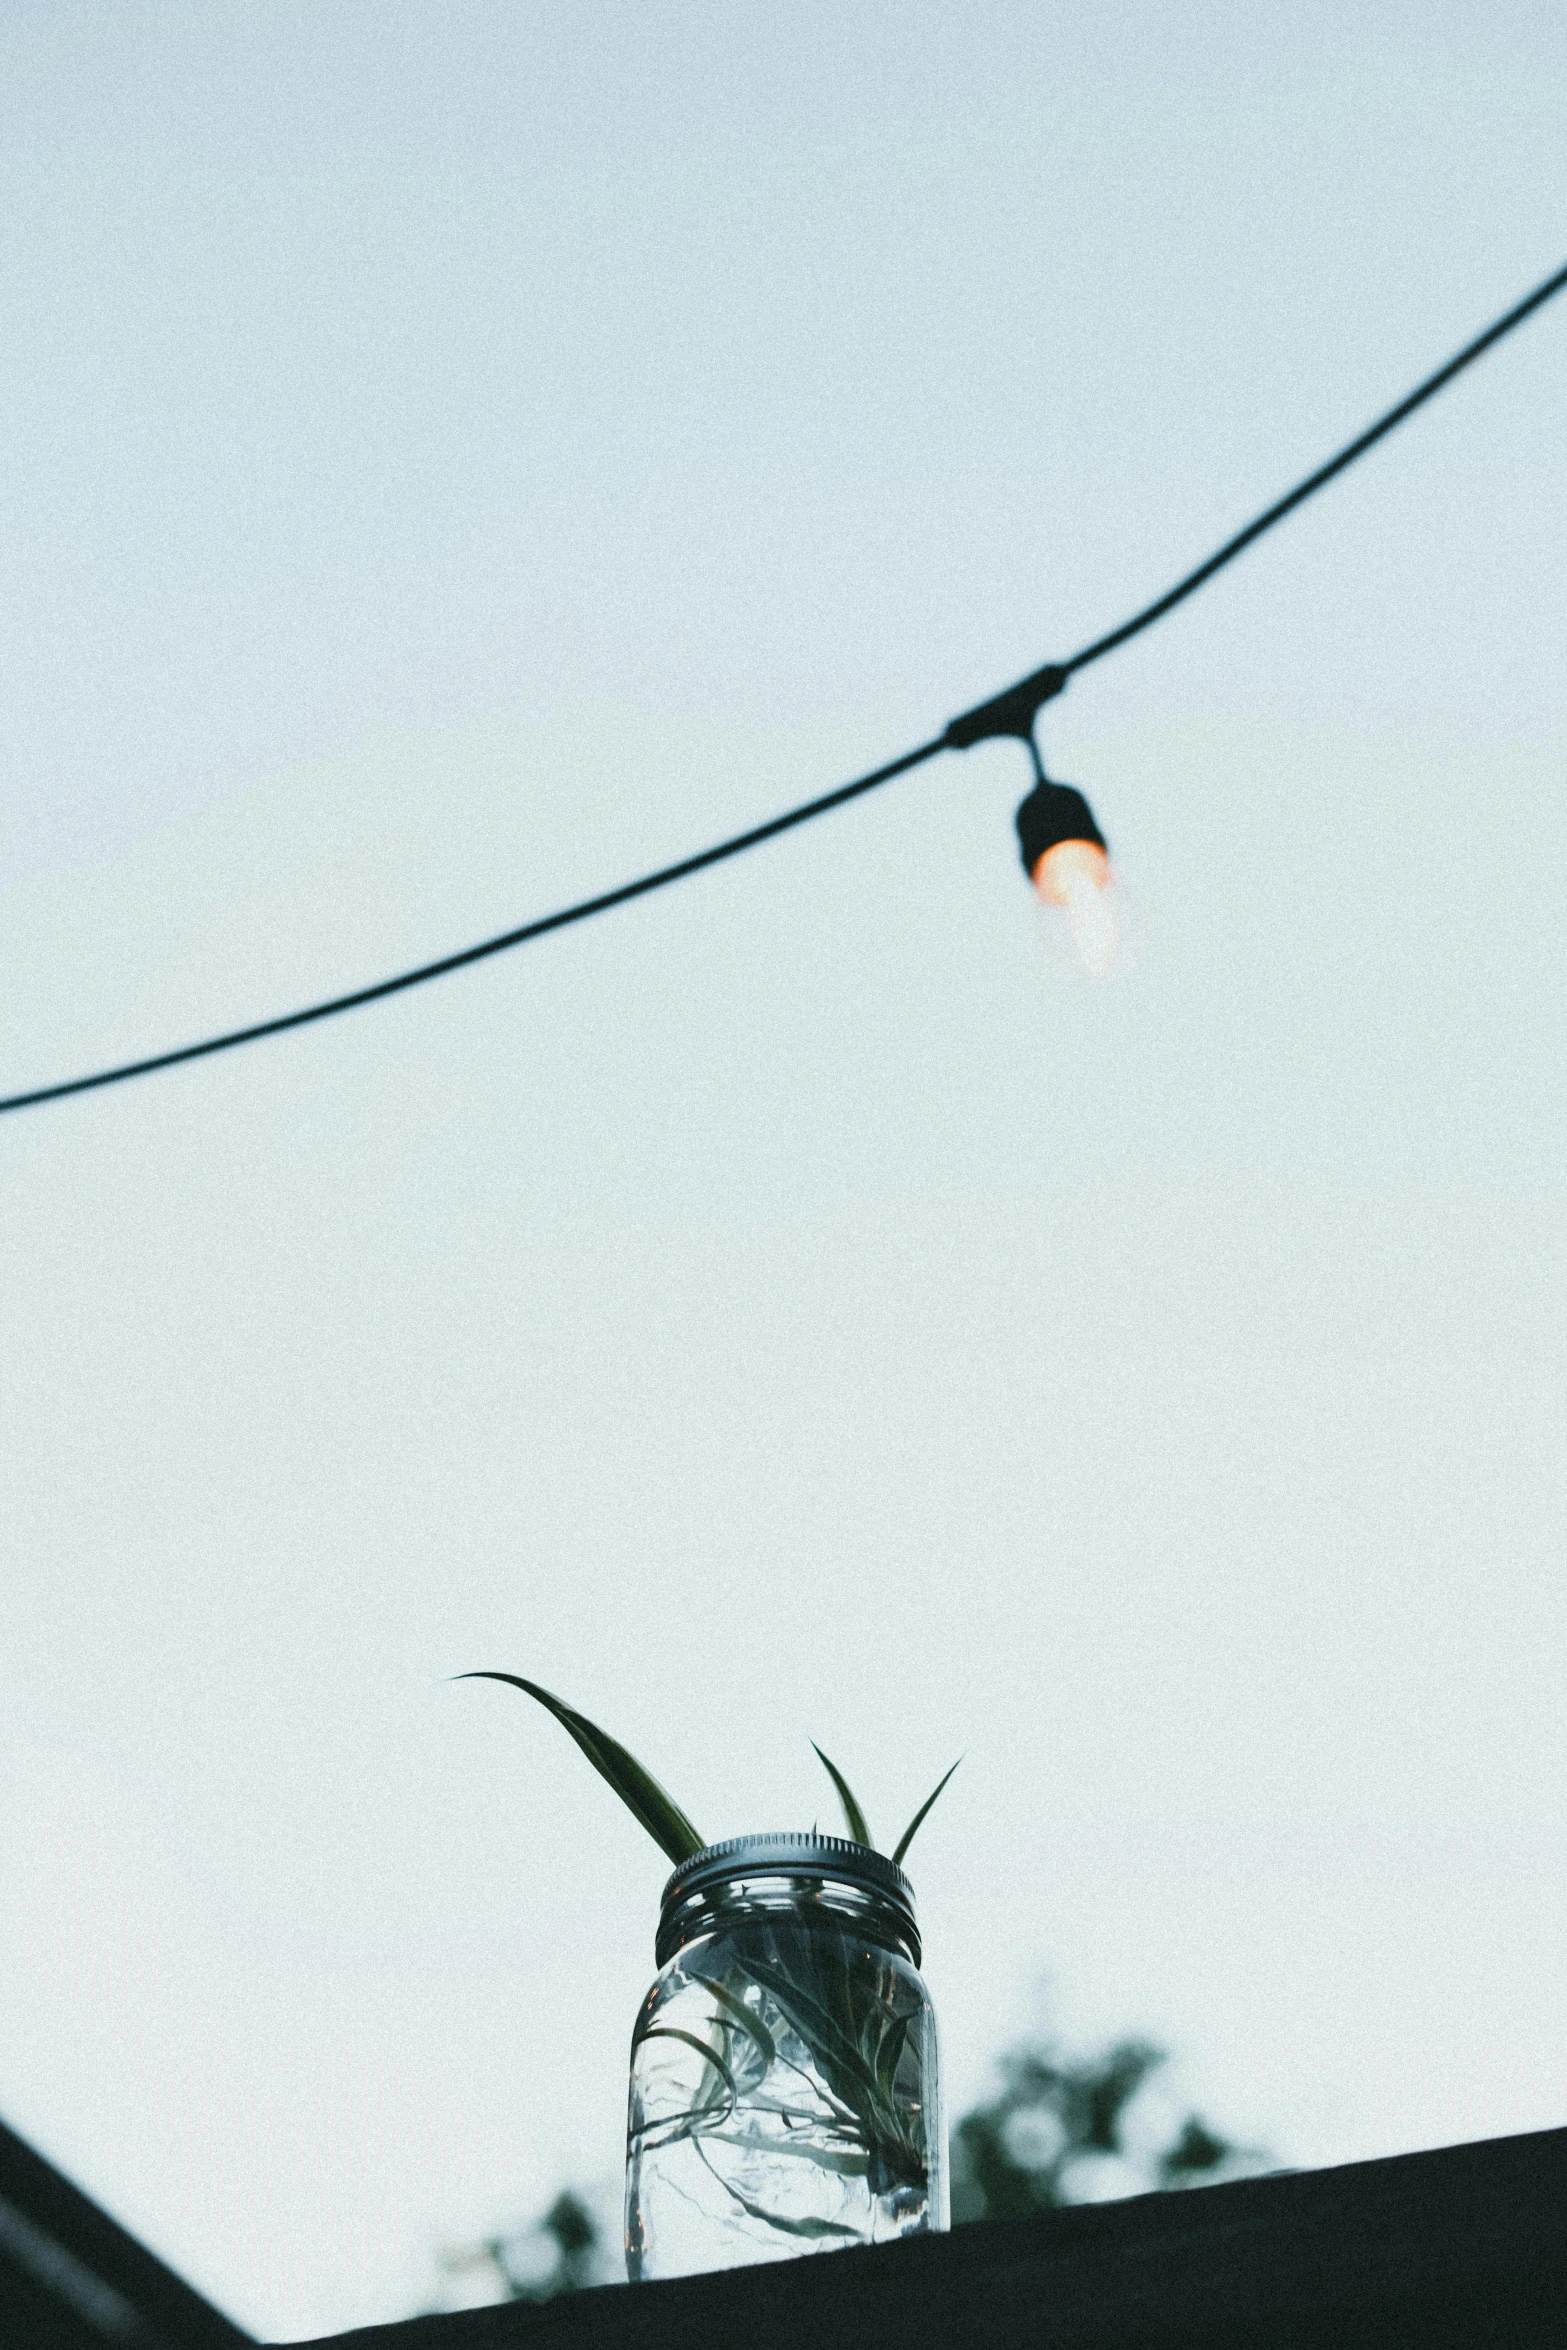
785 2088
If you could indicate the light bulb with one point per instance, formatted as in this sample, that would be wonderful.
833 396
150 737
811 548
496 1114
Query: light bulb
1066 857
1075 876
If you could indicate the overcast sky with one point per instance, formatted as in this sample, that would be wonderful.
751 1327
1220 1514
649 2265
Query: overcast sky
454 458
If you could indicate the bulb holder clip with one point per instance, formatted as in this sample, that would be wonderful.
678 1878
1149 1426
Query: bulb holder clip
1011 713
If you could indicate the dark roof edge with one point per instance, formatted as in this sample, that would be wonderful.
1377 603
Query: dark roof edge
90 2245
1445 2250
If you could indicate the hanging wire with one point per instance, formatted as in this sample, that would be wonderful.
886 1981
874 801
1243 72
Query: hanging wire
1009 713
562 919
1324 474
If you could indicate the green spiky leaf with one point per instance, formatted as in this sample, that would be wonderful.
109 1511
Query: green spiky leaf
741 2016
909 1833
674 2032
638 1790
851 1810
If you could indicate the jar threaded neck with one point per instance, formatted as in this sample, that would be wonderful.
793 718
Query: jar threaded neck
809 1859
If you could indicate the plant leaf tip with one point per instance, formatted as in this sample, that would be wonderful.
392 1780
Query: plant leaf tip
638 1790
859 1829
907 1838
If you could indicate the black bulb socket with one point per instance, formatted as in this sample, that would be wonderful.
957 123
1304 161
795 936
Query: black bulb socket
1052 813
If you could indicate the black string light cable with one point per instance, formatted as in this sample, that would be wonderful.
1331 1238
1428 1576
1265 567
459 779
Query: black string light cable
1012 713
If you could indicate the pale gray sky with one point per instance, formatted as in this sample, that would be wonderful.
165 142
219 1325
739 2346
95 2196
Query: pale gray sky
455 458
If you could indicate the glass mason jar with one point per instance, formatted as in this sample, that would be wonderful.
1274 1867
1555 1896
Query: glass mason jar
785 2088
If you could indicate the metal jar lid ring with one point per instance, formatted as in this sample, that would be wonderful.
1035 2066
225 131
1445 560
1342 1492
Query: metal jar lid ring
809 1857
